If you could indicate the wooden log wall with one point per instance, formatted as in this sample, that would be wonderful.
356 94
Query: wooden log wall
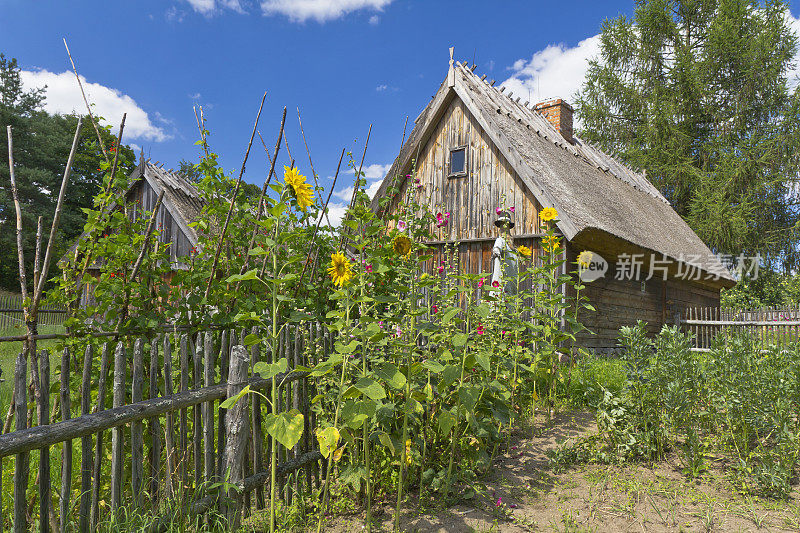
130 389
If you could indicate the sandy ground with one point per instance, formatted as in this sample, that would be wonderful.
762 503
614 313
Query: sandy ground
635 498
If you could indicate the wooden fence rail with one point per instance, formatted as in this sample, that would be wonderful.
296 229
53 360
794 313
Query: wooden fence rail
767 326
159 397
13 317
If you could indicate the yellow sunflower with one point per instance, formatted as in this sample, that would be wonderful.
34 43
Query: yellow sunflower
550 243
339 269
584 258
302 190
401 245
524 251
548 213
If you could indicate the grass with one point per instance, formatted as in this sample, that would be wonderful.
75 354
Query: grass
8 358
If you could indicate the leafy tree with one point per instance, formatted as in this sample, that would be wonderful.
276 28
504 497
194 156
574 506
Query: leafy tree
41 145
695 93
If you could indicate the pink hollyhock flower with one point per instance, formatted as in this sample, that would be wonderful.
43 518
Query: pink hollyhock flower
499 502
495 284
368 268
511 209
481 282
401 225
498 210
434 309
441 269
480 329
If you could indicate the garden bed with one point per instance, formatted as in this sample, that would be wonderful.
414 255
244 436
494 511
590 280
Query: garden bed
535 496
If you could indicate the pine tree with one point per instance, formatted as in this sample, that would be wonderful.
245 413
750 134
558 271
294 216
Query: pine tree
695 93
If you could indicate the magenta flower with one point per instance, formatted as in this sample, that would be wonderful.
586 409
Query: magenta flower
441 269
481 282
442 220
498 210
511 209
368 268
401 225
434 309
495 284
480 329
499 502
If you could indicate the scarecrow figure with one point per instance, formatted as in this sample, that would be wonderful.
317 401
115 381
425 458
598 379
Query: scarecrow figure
504 258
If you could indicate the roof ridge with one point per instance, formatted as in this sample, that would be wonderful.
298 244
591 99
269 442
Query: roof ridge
532 112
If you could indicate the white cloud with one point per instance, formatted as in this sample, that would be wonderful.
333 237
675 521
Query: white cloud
382 87
210 7
373 173
794 73
374 20
64 96
336 213
556 71
319 10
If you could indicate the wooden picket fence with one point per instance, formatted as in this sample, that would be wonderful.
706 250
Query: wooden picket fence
159 398
12 316
769 326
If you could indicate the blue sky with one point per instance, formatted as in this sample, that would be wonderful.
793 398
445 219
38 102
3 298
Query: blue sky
346 63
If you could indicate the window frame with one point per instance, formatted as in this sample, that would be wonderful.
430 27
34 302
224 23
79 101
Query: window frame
450 173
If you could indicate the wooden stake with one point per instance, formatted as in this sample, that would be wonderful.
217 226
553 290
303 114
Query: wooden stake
236 421
233 202
99 453
21 462
66 454
85 101
86 444
137 439
117 437
56 217
15 195
262 196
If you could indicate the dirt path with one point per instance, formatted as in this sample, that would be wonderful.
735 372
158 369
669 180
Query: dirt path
524 493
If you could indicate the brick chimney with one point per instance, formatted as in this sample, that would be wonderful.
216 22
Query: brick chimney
559 114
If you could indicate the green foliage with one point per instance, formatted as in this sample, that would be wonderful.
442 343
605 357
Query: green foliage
41 145
770 289
735 401
696 94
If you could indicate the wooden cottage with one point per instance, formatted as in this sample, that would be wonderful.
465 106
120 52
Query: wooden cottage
477 148
181 206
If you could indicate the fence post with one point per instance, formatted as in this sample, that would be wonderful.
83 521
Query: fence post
21 463
236 420
677 318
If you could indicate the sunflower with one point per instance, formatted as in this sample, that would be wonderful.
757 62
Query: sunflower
301 189
584 258
401 245
548 213
524 251
550 243
339 269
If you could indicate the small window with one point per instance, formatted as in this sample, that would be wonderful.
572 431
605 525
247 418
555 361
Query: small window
458 162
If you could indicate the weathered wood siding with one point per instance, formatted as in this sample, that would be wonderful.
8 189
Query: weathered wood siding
622 302
143 198
471 200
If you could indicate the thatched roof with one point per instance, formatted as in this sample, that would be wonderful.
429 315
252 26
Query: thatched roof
181 199
180 195
591 190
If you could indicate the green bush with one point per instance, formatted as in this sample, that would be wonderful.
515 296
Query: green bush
591 377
